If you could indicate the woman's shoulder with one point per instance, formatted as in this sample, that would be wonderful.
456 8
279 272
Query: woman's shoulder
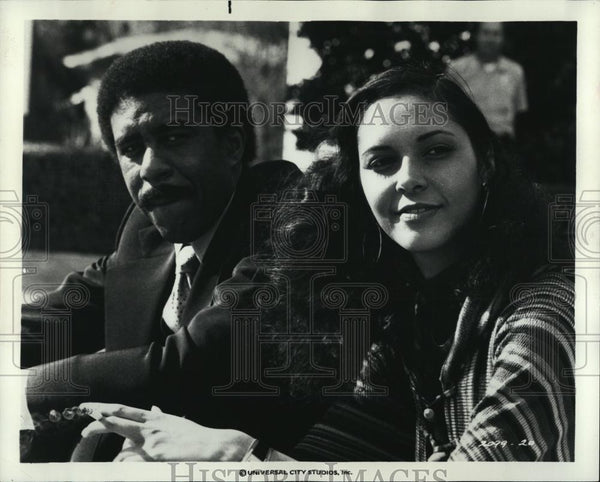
549 285
545 302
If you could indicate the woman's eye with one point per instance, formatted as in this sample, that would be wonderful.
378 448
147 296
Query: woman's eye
438 151
380 163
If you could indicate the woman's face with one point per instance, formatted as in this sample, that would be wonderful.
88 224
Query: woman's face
421 181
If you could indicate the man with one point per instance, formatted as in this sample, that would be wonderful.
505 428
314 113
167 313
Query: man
186 230
496 82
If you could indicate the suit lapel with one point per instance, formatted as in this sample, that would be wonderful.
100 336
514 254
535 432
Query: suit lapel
136 291
231 241
200 294
217 258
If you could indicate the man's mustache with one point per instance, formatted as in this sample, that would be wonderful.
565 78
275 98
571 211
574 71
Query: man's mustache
162 194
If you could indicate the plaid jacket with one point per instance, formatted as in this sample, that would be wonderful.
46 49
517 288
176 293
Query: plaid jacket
507 382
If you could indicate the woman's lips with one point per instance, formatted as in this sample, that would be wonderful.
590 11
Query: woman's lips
417 212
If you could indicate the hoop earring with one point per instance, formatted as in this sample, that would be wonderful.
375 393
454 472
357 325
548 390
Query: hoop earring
484 185
379 246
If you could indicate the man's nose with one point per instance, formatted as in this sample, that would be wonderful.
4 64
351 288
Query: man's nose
410 177
154 166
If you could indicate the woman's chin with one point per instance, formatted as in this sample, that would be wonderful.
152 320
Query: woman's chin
416 242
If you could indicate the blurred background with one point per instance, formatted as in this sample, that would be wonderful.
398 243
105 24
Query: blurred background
67 170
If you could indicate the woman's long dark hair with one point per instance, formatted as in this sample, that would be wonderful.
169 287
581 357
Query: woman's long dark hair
509 241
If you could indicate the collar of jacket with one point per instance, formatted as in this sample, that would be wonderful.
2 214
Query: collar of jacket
475 321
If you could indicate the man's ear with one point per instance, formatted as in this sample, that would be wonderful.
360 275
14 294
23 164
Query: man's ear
233 142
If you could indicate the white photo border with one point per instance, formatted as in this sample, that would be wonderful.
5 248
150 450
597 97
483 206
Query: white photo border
14 20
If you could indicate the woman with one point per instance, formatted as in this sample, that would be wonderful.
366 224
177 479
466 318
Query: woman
478 338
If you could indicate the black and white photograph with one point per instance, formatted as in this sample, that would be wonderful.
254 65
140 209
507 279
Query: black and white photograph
329 241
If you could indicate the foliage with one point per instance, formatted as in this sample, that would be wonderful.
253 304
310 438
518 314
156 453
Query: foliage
353 51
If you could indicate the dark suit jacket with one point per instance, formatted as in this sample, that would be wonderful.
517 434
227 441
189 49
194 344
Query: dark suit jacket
118 305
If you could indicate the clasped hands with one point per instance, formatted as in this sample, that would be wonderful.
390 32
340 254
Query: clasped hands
151 435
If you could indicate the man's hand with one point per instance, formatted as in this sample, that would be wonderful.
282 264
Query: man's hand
157 436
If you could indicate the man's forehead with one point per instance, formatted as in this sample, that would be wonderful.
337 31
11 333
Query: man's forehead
137 105
491 27
150 108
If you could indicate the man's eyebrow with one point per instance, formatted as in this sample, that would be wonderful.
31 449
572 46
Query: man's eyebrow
159 129
125 138
165 128
427 135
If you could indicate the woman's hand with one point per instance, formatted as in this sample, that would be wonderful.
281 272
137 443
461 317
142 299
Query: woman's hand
157 436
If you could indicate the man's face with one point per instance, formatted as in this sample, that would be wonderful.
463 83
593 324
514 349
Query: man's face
490 38
181 176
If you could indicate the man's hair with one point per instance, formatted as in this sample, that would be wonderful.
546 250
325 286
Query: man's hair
174 67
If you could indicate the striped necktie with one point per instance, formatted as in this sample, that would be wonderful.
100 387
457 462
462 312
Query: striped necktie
186 265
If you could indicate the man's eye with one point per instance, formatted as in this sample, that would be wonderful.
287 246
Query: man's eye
129 150
174 137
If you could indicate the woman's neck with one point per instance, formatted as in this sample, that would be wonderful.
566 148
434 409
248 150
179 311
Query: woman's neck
430 266
432 263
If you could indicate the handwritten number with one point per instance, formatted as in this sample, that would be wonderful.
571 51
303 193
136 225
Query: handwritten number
504 443
526 442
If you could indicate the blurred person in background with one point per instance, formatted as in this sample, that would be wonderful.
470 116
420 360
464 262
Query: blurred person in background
496 82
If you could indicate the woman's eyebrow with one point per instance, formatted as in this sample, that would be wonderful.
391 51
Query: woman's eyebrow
376 149
427 135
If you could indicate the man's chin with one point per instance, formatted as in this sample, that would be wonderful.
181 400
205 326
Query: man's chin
176 232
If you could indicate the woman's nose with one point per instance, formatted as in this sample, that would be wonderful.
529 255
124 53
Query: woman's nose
409 177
